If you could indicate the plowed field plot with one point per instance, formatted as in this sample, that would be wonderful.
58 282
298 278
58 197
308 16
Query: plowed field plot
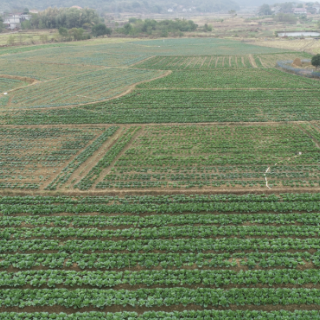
168 257
217 156
210 62
31 156
270 60
196 62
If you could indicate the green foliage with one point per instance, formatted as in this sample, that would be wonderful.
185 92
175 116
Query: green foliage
207 28
77 34
286 18
152 315
100 30
137 26
65 17
315 60
265 10
1 24
63 32
11 40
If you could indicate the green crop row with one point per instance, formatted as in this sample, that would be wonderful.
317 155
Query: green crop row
32 201
165 260
239 207
234 78
218 278
80 298
174 245
161 232
161 220
175 315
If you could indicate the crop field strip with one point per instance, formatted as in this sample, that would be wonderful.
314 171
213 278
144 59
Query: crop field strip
156 157
207 256
7 84
79 89
173 157
210 62
218 95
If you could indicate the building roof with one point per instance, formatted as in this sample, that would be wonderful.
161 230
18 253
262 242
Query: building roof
76 7
299 10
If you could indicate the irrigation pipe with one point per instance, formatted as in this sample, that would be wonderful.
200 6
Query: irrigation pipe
268 169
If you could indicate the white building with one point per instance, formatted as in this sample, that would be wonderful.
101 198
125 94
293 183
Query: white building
300 11
12 21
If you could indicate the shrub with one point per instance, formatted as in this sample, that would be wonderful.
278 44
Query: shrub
315 61
100 30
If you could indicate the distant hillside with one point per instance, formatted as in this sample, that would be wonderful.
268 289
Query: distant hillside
257 3
138 6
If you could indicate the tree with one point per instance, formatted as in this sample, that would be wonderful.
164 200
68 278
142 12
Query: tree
265 10
65 17
63 32
26 24
11 40
286 7
100 30
286 18
26 11
315 61
207 28
1 24
77 34
232 11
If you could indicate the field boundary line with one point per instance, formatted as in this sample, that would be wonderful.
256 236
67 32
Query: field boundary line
86 125
142 61
157 191
48 182
253 63
172 308
309 135
107 170
92 161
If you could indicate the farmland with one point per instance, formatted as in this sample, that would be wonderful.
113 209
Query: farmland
158 179
230 254
31 156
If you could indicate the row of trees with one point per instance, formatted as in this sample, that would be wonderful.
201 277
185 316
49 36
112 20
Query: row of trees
162 28
80 34
286 7
63 17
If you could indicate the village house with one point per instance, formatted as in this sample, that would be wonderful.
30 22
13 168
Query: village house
13 21
300 11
